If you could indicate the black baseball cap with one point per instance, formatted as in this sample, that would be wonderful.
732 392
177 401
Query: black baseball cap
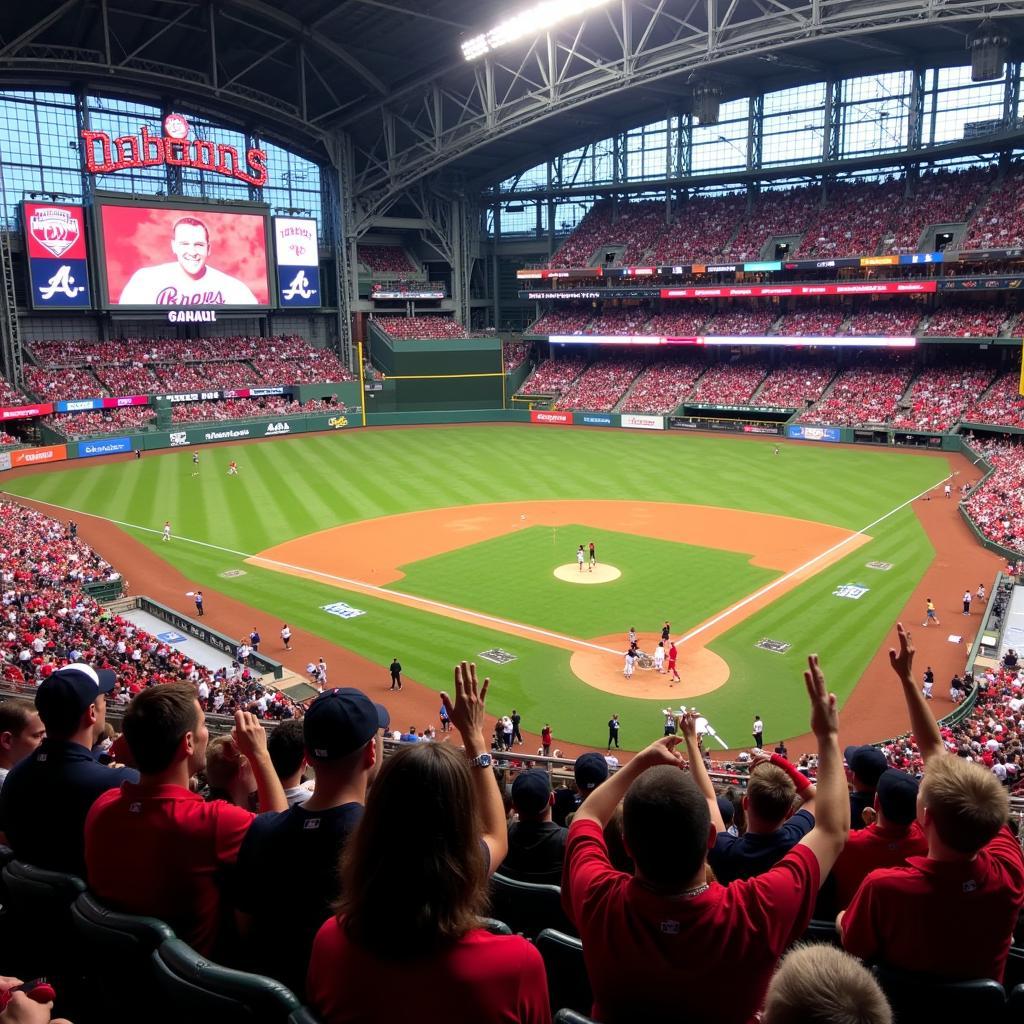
340 721
70 690
897 796
590 770
867 763
531 792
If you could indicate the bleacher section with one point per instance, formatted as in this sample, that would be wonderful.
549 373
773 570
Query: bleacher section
420 327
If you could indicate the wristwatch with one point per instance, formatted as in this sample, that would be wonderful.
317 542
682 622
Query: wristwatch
481 761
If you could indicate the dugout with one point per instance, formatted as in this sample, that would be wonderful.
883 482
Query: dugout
742 419
434 374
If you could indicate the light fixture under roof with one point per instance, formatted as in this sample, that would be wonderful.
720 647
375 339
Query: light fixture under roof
530 22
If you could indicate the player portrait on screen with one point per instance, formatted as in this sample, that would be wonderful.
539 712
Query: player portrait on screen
189 280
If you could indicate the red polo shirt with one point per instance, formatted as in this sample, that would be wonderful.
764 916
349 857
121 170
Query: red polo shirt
650 956
480 979
904 917
158 850
874 847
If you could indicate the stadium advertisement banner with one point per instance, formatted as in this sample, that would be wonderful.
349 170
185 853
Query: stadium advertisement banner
541 416
104 446
596 419
123 401
57 257
78 405
802 433
406 295
178 258
637 422
969 284
36 456
25 412
191 396
5 461
254 392
297 253
241 430
773 340
826 288
543 274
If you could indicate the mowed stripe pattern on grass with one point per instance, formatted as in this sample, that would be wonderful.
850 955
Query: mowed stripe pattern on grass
293 486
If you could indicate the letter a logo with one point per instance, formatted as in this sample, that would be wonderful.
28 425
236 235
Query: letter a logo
298 288
61 283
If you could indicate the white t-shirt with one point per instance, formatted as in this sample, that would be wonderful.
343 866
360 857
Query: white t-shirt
659 656
169 285
758 726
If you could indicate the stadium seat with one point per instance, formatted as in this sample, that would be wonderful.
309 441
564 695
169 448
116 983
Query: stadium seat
568 983
528 908
192 987
303 1015
494 926
1014 968
572 1017
925 997
127 940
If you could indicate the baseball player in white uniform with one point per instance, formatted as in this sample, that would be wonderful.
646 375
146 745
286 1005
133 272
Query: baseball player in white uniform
627 670
659 657
188 281
580 557
167 530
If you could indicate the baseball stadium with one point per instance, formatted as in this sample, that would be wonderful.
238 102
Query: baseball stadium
658 363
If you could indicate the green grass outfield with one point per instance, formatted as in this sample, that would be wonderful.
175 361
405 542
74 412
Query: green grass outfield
291 487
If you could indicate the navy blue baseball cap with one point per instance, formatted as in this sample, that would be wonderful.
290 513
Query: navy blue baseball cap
340 721
897 796
531 792
590 770
71 690
867 763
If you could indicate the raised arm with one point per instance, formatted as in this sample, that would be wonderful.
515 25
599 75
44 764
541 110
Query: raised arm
832 803
250 738
687 724
805 789
601 804
925 728
467 715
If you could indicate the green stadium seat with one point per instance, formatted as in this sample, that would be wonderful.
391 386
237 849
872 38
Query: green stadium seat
926 997
568 983
193 988
127 940
528 908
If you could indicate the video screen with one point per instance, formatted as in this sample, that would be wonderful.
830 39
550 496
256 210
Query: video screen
173 256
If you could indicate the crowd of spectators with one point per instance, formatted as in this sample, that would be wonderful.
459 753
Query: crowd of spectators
774 213
1001 404
7 440
867 393
999 224
662 387
823 321
731 383
433 328
127 380
966 320
701 229
204 376
795 383
515 353
997 507
385 259
601 385
625 320
941 197
233 409
561 321
553 376
314 366
61 385
10 395
635 226
741 320
685 322
939 397
101 421
893 318
851 221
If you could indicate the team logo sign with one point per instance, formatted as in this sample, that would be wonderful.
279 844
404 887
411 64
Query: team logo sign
55 229
851 591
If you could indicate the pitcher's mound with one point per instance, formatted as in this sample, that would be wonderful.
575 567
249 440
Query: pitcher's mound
601 573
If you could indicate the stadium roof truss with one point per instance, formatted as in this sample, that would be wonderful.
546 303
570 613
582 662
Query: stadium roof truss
382 88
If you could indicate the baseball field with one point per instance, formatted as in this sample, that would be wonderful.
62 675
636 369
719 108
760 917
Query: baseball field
439 544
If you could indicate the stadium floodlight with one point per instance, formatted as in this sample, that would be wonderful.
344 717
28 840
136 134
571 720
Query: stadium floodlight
530 22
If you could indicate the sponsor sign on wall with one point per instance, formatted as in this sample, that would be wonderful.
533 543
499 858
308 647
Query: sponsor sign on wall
802 433
637 422
24 412
543 416
595 419
298 262
37 456
104 446
55 244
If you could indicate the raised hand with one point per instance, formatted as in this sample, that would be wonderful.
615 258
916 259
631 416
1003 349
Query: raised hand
824 711
466 713
759 756
686 723
660 752
248 735
903 662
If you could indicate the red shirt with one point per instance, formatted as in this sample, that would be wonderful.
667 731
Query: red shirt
481 979
905 916
672 653
158 850
874 847
545 736
652 957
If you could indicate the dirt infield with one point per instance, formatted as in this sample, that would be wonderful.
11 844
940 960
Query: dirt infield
873 711
355 554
